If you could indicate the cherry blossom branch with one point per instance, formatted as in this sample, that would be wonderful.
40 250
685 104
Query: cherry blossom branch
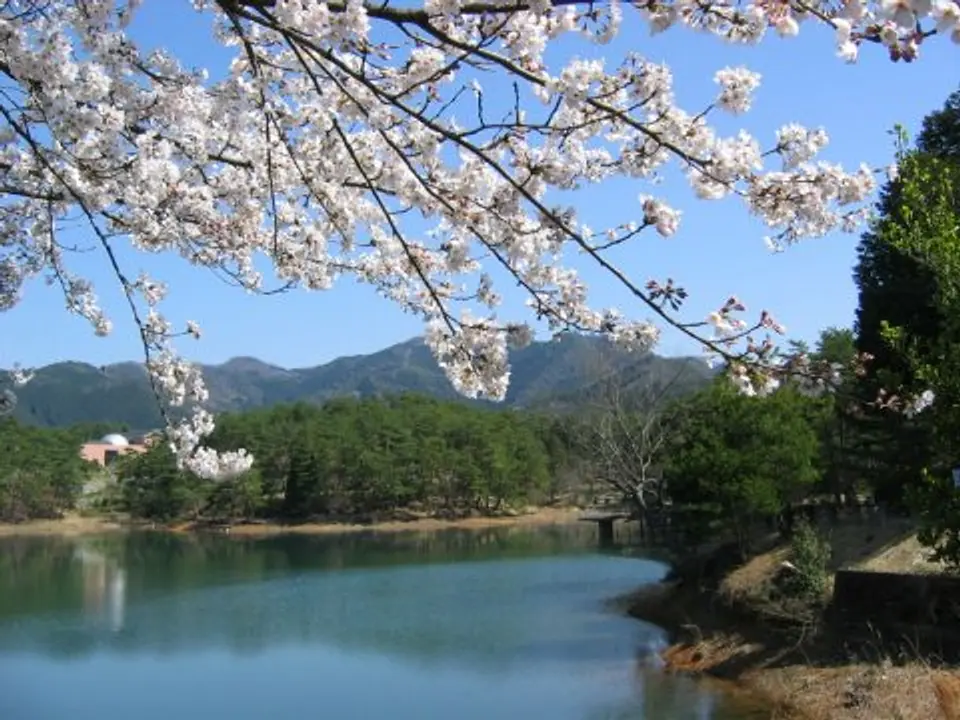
338 123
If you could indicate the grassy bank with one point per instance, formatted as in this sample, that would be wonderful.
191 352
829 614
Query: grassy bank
75 524
729 621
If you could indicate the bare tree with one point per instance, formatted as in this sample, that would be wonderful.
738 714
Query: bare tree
625 434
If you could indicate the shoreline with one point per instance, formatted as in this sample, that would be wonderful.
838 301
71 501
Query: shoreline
81 525
711 637
799 673
704 651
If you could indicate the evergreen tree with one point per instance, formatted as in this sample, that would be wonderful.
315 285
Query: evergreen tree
741 458
152 486
940 132
836 416
897 289
929 234
41 473
301 486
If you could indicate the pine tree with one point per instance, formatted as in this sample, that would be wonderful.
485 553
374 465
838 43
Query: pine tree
301 479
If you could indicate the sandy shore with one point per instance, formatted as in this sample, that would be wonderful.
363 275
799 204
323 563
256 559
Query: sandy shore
69 526
74 525
539 516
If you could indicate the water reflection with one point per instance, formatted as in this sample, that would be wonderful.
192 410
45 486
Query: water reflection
43 574
166 594
432 621
104 587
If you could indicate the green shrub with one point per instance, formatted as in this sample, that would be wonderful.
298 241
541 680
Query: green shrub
809 553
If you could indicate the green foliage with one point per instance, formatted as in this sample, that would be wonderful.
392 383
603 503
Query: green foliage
153 487
810 554
351 458
940 134
910 319
834 415
41 473
907 278
745 457
938 503
928 232
897 299
239 497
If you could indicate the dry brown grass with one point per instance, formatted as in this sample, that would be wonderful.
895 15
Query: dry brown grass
73 525
907 555
863 691
947 688
878 544
70 525
803 690
532 516
803 678
749 580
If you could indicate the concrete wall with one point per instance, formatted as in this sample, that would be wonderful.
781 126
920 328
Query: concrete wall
99 452
923 609
901 598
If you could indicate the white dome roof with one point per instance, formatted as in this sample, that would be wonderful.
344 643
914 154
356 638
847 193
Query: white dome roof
114 439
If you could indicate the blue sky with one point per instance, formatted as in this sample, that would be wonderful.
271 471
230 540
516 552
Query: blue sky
718 251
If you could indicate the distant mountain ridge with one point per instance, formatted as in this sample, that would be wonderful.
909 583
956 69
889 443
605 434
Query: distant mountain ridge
545 374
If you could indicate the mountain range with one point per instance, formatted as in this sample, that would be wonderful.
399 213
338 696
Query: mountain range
556 375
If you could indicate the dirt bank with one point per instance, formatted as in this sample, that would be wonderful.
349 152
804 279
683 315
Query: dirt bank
724 626
73 525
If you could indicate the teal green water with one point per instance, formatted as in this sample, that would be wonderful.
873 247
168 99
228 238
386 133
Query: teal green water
501 623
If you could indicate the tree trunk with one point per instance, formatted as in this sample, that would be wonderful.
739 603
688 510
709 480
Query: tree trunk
641 510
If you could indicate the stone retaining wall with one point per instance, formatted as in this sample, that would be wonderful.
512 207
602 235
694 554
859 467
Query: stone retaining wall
919 609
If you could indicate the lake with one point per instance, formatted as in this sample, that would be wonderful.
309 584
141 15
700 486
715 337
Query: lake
499 623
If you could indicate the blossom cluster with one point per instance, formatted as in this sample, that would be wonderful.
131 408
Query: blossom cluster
336 119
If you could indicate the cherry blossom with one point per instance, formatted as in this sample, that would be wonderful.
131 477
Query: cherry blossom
335 120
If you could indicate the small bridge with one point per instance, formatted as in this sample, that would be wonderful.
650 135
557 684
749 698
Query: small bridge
605 520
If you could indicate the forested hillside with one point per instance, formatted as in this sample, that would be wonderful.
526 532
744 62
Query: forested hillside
556 374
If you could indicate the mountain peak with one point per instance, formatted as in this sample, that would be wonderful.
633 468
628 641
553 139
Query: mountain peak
246 363
544 374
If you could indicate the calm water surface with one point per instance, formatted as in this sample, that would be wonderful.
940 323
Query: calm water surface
501 623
